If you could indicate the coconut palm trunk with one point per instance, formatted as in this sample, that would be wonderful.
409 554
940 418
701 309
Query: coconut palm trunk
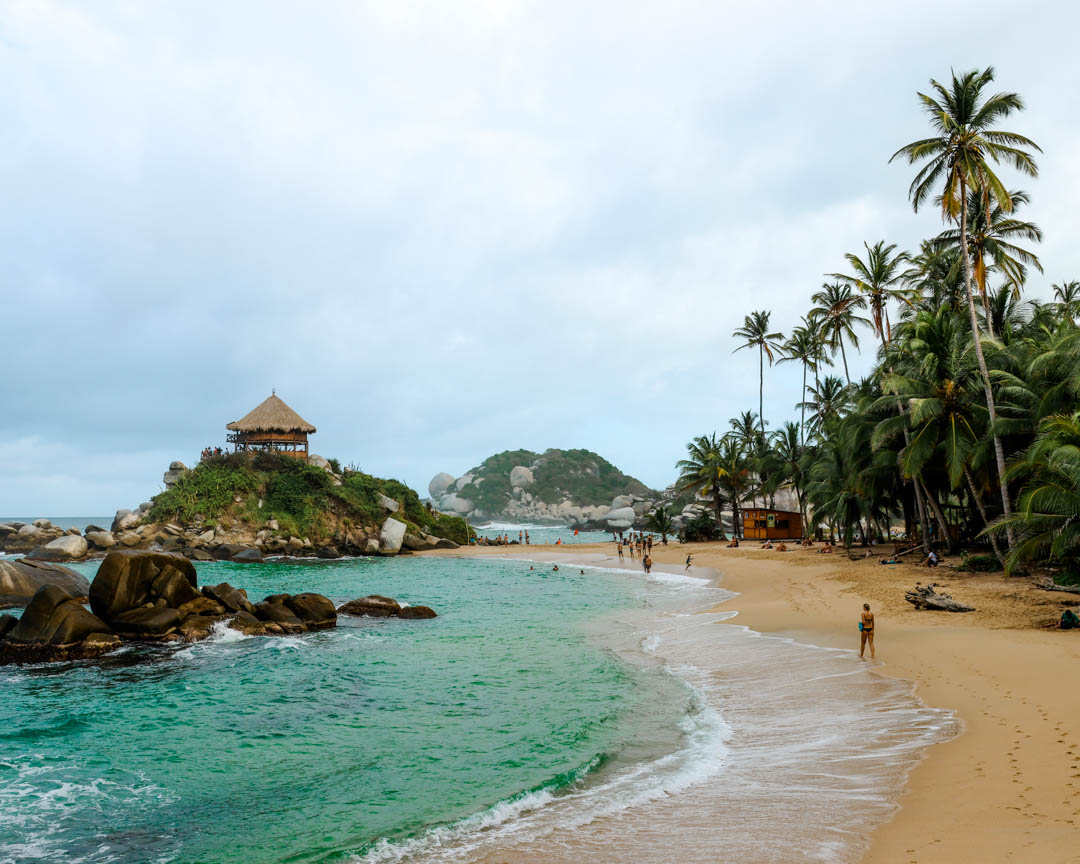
761 388
982 512
843 354
999 453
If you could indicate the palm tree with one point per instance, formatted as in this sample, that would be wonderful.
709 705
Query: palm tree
804 345
787 448
660 520
877 279
745 431
828 400
835 306
1067 297
701 472
990 242
755 333
934 279
963 119
1047 509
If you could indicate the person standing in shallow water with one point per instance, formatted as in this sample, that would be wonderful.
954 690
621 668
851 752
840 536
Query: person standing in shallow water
867 628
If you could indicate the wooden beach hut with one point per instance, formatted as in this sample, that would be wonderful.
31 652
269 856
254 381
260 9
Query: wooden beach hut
762 524
272 426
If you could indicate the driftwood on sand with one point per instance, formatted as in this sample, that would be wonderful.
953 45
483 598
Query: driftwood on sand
1048 585
925 597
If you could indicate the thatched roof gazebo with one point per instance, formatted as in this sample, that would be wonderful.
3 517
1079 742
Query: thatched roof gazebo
273 426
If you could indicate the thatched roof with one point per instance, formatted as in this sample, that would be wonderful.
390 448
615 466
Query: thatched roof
273 415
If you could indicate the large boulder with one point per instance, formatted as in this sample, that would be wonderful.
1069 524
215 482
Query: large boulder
280 614
20 579
101 539
616 518
125 520
373 606
229 597
439 484
318 461
151 622
315 610
621 501
387 503
418 543
237 552
446 543
55 616
69 547
128 580
521 476
175 472
391 536
454 503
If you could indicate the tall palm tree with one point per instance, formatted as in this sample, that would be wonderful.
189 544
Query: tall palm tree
804 345
835 305
991 235
755 334
702 472
828 401
1067 297
878 279
963 117
934 279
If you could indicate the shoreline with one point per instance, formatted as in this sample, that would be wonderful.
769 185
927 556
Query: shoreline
1006 787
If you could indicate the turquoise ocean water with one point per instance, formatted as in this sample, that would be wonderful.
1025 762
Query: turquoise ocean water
320 747
584 715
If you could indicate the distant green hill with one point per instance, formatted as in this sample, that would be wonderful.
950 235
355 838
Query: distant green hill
580 476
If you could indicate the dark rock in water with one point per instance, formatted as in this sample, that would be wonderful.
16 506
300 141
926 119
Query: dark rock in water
20 580
248 624
278 613
315 610
44 652
276 598
54 616
196 627
237 552
129 580
374 606
416 612
6 623
149 623
201 606
199 555
328 552
226 595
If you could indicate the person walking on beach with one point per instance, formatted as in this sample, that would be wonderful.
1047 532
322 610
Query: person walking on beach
689 561
866 625
648 564
619 547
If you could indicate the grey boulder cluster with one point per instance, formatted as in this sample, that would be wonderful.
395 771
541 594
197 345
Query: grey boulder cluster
132 529
155 597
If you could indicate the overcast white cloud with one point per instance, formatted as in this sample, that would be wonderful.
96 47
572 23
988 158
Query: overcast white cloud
442 230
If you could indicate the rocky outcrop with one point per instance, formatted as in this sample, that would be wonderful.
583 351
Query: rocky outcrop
439 484
377 606
100 539
20 580
173 475
69 547
148 596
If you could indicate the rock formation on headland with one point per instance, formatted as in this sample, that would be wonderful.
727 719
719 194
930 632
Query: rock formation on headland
155 597
575 487
243 506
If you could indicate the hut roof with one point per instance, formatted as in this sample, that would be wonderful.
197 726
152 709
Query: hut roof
272 415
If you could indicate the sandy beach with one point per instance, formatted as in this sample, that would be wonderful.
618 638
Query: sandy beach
1006 788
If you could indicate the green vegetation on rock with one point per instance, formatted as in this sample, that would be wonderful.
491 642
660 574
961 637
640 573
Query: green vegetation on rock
301 498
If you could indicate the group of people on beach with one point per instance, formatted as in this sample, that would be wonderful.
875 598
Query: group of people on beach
639 546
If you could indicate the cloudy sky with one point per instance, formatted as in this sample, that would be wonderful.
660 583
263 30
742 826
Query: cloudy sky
442 230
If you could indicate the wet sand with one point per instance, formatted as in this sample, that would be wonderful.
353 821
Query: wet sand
1008 787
